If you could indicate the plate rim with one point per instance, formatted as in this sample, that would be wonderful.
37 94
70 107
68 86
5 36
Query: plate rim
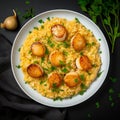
59 10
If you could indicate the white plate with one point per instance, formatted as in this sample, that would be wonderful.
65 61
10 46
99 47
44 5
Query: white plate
15 58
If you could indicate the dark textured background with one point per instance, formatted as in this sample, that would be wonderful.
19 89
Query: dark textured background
108 95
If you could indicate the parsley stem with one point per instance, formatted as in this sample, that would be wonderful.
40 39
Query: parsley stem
108 12
105 29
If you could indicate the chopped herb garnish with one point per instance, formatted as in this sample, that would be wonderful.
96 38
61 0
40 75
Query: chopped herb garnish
26 82
61 63
42 26
54 85
65 44
111 91
97 104
65 53
27 2
30 31
18 66
76 80
29 52
19 49
89 115
45 84
36 28
82 92
93 43
36 62
46 69
100 52
90 44
47 51
118 95
82 77
18 12
94 65
89 73
50 43
65 70
36 39
83 87
112 104
41 21
99 39
63 24
81 53
77 20
99 73
58 98
29 13
53 68
42 81
48 18
110 98
113 79
55 88
42 60
69 64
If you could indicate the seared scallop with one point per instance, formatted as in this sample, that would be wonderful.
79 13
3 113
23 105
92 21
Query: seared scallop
83 63
57 58
54 80
72 79
34 70
59 32
38 49
78 42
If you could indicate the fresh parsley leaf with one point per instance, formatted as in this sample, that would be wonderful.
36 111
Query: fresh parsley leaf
18 66
82 77
58 98
99 73
103 11
113 79
41 21
48 18
77 20
97 104
29 13
64 70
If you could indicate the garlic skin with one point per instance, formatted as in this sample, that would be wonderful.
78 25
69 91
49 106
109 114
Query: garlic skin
10 23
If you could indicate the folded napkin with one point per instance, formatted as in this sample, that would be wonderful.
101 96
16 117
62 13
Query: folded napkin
14 104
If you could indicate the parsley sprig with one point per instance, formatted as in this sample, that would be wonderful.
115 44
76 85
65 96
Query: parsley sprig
29 13
104 11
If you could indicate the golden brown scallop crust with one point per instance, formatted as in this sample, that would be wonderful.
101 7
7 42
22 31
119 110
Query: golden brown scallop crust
34 70
78 42
72 79
54 80
59 32
85 63
38 49
57 58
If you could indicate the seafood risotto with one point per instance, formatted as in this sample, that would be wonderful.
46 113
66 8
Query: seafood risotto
60 58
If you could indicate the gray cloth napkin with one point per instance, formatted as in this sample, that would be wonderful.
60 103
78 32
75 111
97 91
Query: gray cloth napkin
14 104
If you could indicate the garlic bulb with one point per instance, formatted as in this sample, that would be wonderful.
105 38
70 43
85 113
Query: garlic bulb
10 23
